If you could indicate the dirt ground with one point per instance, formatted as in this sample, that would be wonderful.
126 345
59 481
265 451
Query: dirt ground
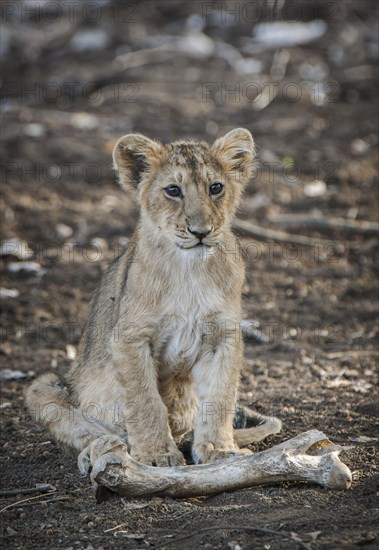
74 83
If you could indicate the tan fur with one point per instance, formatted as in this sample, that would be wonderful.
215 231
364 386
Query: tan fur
162 352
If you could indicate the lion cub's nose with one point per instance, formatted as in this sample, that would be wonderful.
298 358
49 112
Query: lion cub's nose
200 233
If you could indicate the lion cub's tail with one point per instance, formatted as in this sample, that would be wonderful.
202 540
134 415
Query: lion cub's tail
48 402
250 426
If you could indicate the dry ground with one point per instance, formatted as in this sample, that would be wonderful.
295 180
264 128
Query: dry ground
317 305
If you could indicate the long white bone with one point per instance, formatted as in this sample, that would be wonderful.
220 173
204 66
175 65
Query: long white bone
309 456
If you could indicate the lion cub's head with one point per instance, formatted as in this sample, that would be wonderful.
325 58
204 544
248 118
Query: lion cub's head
187 191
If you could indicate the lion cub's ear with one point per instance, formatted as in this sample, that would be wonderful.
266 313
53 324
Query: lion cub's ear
235 151
134 155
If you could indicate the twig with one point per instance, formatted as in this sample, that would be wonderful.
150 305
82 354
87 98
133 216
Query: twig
28 491
321 223
357 353
19 502
114 528
55 499
138 58
265 234
236 528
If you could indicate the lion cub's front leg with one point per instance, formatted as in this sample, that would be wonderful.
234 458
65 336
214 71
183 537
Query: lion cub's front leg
217 379
144 412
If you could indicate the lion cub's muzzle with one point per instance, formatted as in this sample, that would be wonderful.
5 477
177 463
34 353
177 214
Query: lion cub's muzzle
197 236
200 233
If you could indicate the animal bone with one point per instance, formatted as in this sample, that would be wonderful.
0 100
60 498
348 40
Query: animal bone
309 456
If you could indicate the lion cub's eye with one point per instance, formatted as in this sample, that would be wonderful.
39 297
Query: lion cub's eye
216 188
173 191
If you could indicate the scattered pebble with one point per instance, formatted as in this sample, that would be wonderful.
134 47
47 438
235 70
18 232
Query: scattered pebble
197 43
359 147
63 230
29 267
89 40
16 247
84 121
34 130
315 188
71 352
9 292
100 244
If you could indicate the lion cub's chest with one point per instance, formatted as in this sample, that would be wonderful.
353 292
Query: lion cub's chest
185 331
182 342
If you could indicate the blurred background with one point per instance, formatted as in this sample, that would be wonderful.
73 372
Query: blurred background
302 77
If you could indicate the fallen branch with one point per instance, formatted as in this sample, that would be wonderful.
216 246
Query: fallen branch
324 224
308 457
265 234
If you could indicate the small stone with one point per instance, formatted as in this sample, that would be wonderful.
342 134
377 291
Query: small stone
63 230
9 292
29 267
17 248
84 121
100 244
315 188
34 130
89 40
359 147
11 531
71 352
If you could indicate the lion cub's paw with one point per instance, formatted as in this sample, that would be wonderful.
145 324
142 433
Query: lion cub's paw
172 457
208 453
98 447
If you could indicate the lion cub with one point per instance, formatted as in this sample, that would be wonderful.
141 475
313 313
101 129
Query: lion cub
161 353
